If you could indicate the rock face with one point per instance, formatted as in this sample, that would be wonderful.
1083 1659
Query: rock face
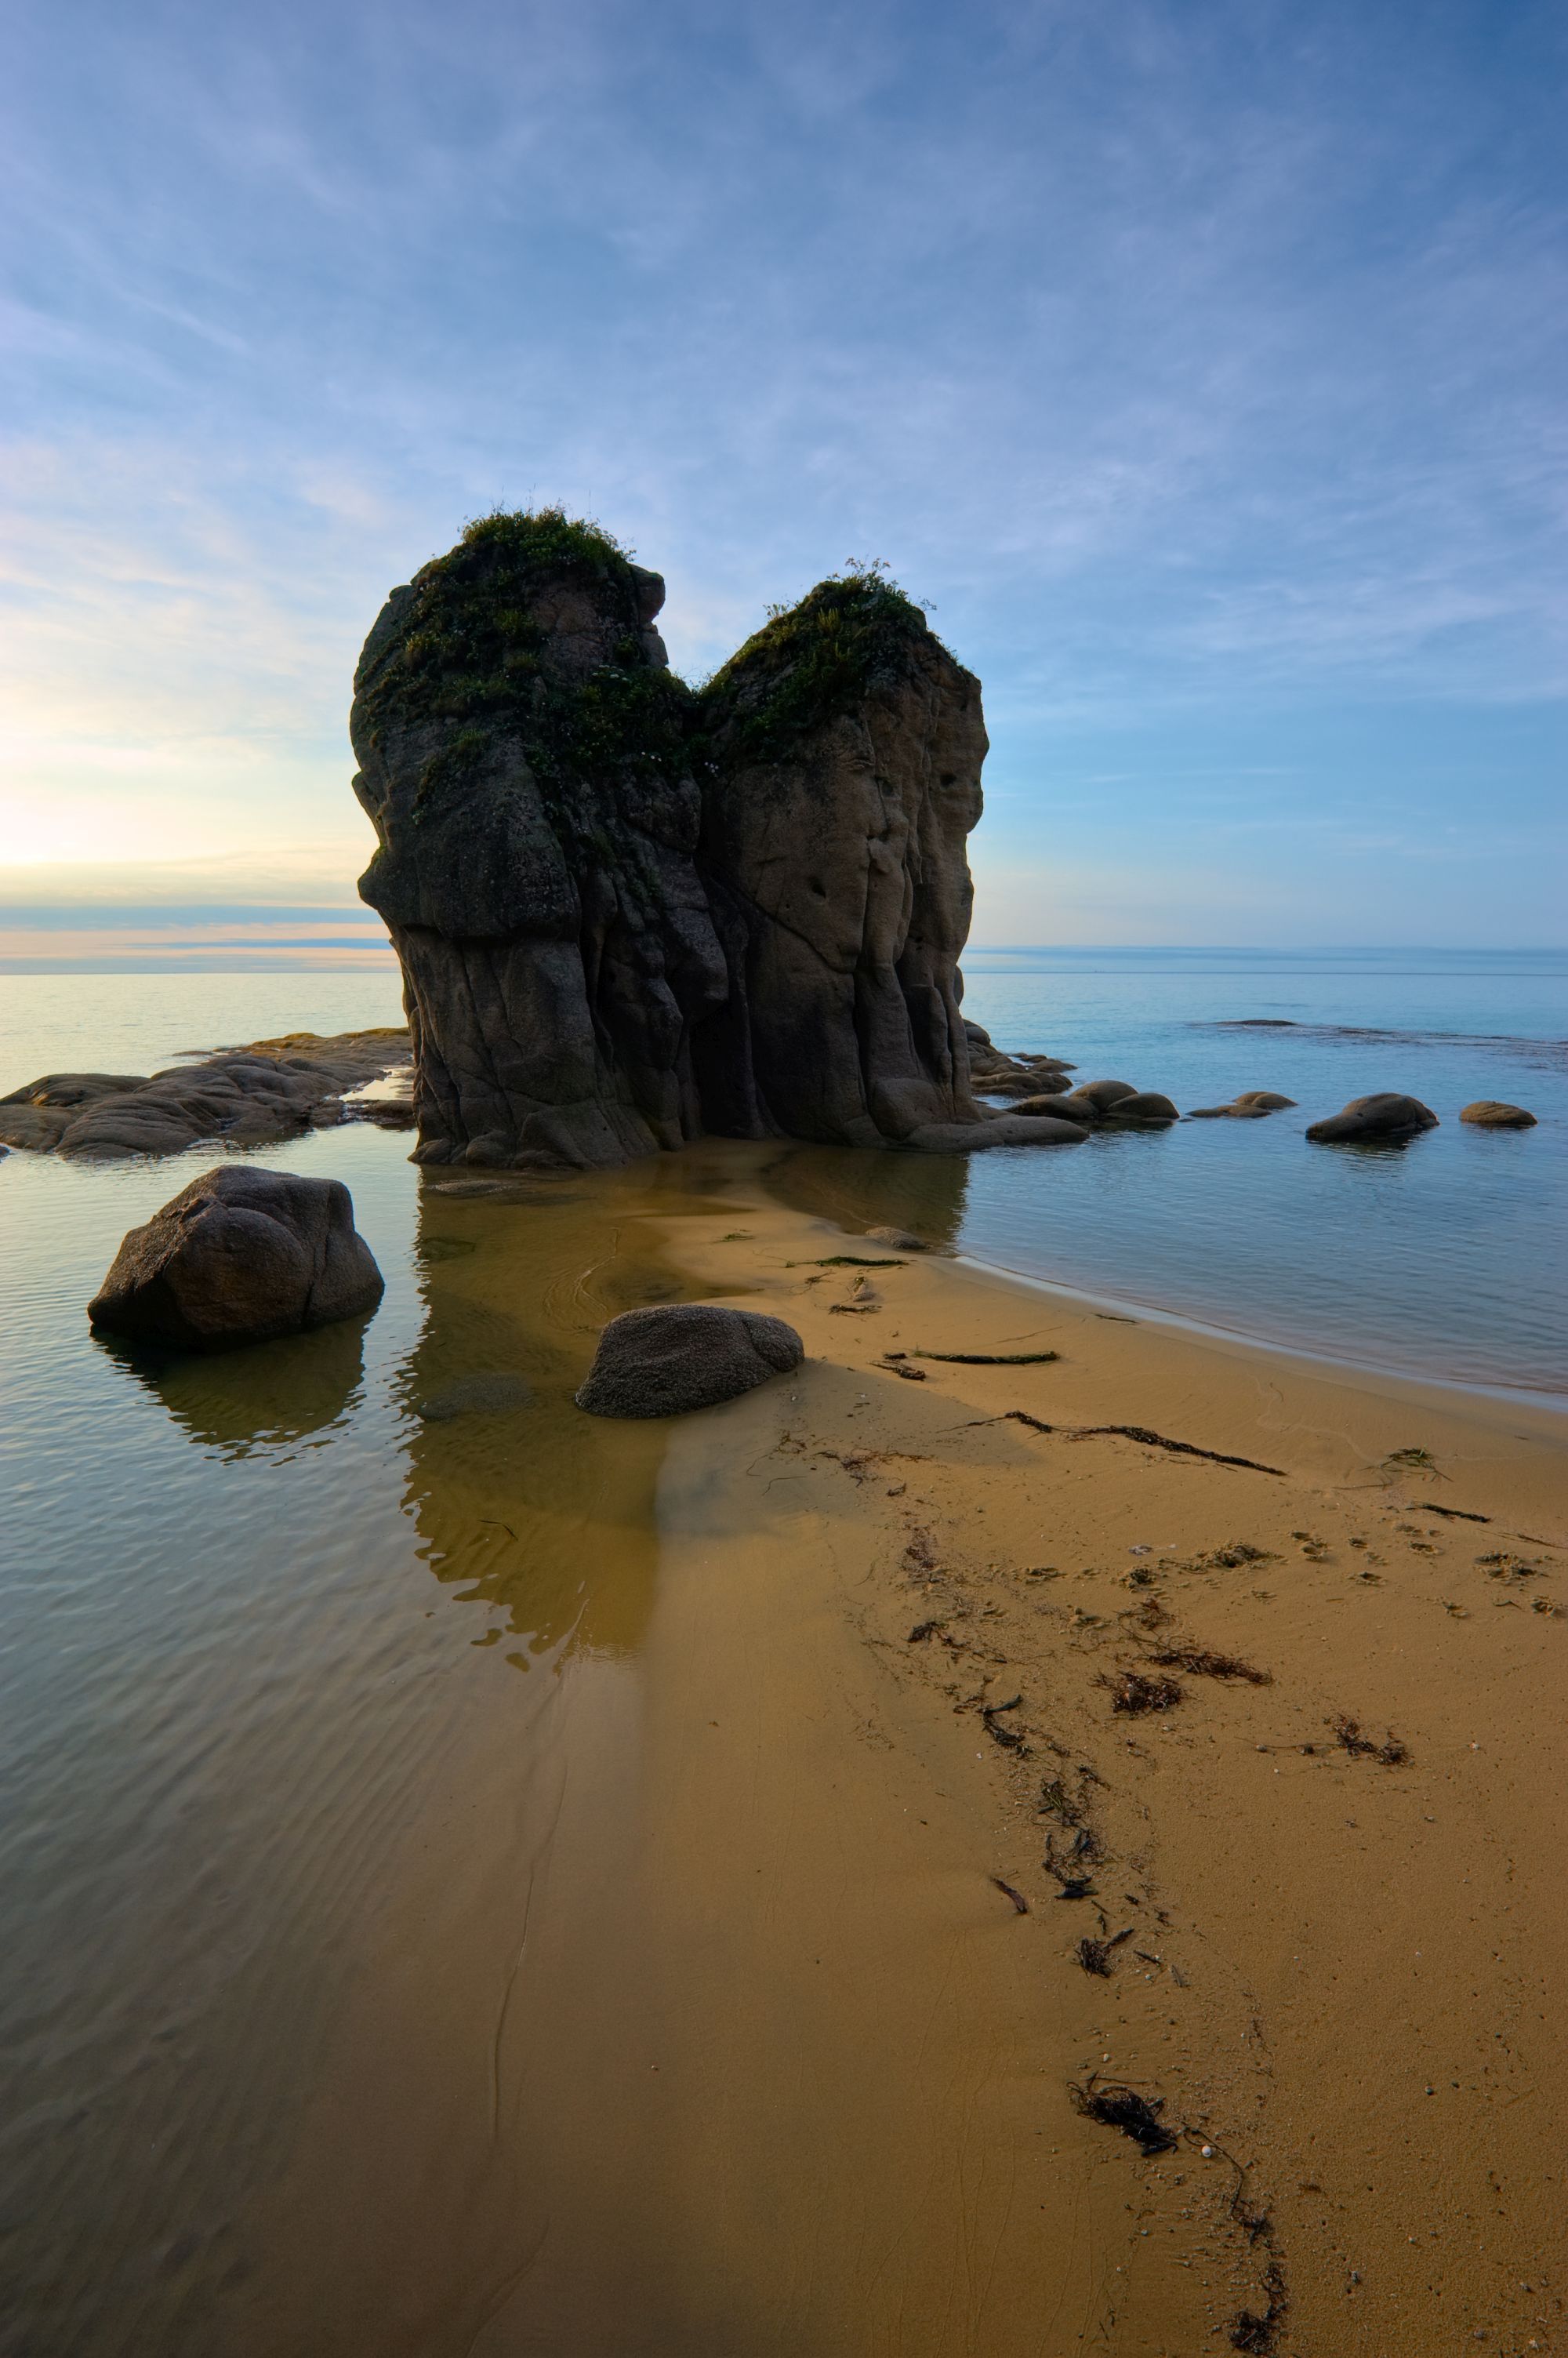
240 1256
1387 1115
627 913
1492 1113
666 1361
245 1097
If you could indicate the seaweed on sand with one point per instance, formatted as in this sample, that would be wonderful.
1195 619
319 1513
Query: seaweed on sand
1115 2106
1132 1691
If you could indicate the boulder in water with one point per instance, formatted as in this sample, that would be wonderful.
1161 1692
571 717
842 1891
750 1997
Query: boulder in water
1103 1094
1387 1115
1493 1113
671 1359
1146 1106
240 1256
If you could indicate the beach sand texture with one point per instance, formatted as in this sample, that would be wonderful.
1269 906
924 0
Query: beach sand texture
744 2014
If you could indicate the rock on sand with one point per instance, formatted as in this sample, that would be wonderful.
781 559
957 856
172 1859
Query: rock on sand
666 1360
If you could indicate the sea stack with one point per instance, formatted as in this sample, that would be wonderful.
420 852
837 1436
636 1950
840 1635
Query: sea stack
627 913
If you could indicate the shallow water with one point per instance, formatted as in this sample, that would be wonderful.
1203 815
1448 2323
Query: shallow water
310 1702
1444 1258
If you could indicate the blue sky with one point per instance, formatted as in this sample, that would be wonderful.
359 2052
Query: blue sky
1202 364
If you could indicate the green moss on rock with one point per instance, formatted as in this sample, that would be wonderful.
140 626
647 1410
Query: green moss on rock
810 661
472 654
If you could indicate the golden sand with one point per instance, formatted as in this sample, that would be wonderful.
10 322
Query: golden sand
736 2003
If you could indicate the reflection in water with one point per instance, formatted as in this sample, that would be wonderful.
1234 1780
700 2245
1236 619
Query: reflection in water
859 1189
541 1514
257 1401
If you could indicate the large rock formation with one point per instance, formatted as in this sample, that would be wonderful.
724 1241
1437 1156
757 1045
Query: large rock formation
627 913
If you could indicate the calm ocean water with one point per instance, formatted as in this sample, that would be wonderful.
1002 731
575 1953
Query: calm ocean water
254 1607
1444 1257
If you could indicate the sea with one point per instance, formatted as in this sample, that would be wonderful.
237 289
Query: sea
1443 1257
251 1607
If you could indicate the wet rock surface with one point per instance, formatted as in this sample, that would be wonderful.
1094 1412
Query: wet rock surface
1386 1115
1494 1113
628 914
667 1360
239 1097
1250 1106
240 1256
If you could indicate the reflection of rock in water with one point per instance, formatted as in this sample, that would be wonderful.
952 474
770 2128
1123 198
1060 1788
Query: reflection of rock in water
263 1398
922 1192
540 1513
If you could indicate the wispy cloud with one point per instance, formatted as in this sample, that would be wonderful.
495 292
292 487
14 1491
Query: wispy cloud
1201 367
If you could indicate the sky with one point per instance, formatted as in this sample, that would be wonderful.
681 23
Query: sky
1202 365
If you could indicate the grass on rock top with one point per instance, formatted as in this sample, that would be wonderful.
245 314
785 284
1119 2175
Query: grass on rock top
473 654
810 661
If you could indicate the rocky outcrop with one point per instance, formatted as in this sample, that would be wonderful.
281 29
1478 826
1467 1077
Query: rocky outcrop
1105 1105
242 1096
627 913
240 1256
666 1360
1493 1113
996 1074
1387 1115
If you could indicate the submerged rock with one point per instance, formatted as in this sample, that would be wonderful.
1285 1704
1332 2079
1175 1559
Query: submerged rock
667 1360
627 913
1493 1113
244 1096
240 1256
896 1239
1385 1115
1250 1106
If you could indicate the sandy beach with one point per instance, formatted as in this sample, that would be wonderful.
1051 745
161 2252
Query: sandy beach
781 2020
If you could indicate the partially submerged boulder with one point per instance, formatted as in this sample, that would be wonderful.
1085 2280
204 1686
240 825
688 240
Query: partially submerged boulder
1056 1107
671 1359
240 1256
1250 1106
1146 1108
1386 1115
245 1097
1494 1113
1103 1094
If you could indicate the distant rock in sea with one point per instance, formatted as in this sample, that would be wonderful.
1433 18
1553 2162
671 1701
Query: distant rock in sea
628 914
241 1097
241 1256
1387 1115
1250 1106
1492 1113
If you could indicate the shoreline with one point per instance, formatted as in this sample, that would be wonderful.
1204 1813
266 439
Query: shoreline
1213 1331
773 2059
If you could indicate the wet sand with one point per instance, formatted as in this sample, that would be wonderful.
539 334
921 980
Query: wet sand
722 1996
